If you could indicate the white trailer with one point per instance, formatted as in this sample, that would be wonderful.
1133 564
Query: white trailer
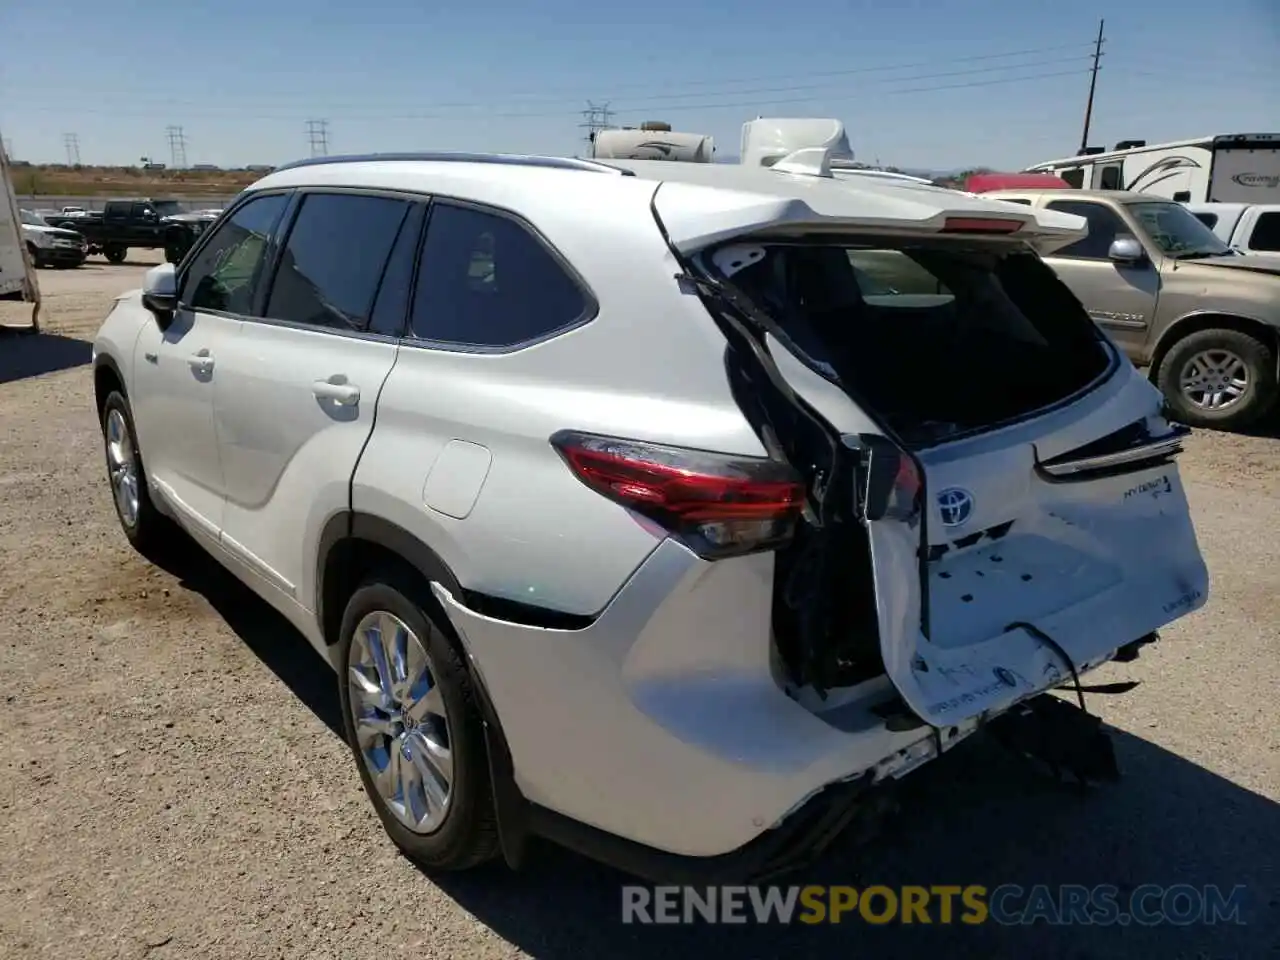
1228 168
652 141
19 290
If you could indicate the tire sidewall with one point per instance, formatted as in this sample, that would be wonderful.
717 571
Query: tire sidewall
116 401
1259 397
452 839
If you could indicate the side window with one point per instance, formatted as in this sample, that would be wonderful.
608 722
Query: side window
225 273
1074 176
333 260
391 308
484 280
1266 232
1104 226
1109 177
1210 220
890 273
1023 200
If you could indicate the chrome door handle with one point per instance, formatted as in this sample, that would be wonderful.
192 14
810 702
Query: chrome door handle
343 394
200 362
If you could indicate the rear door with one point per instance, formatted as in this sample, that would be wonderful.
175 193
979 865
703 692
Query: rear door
300 381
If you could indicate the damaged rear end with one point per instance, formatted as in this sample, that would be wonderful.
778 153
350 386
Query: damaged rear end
992 502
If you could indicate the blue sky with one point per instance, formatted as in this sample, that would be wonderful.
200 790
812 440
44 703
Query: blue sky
919 84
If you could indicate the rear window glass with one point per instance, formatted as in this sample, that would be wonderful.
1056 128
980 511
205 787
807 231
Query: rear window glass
1266 233
939 339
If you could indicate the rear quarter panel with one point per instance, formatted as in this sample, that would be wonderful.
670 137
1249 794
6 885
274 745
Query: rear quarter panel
649 366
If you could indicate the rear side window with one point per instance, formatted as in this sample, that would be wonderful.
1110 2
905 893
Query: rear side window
1074 177
333 260
486 281
1266 233
1210 220
225 274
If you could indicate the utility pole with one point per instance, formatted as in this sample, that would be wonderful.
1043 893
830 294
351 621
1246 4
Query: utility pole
1093 85
72 142
177 148
595 118
318 137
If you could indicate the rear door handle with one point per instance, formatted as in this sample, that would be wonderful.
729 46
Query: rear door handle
343 394
201 362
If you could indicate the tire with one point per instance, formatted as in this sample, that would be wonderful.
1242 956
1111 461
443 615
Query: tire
464 834
1249 355
149 531
37 260
115 253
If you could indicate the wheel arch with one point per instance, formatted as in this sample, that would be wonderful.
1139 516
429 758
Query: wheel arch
106 377
353 544
1199 320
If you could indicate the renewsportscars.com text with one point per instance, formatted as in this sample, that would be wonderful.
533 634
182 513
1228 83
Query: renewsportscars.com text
973 904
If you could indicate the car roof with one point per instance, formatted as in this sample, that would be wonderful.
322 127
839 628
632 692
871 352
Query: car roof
698 202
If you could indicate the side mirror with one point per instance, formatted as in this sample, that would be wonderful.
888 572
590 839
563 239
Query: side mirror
160 292
1127 250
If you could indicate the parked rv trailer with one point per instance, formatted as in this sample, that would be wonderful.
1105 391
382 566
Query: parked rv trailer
19 290
1230 168
766 140
652 144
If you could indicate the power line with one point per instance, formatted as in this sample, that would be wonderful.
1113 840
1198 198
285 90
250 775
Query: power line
1082 50
649 106
177 147
318 137
72 143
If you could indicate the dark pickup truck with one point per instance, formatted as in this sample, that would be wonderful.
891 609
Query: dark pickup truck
137 224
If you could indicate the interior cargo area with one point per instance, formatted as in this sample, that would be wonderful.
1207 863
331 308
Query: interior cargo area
940 339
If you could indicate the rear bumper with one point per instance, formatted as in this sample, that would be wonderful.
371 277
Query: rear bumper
662 726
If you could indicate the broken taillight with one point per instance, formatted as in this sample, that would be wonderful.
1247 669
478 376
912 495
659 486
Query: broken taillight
717 505
980 225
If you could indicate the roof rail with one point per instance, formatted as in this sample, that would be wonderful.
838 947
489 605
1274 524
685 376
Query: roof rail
507 159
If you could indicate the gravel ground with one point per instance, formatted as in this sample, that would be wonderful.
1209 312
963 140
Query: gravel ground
174 786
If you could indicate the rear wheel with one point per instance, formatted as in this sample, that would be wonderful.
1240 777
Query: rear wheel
411 720
115 253
1219 378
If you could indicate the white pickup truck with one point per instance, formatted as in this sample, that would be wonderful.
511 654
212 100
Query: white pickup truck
1249 228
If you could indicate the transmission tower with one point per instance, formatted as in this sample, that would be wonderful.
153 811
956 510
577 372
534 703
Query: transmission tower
595 118
318 137
177 148
72 142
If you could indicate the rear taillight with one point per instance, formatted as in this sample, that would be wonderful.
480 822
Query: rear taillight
980 225
715 504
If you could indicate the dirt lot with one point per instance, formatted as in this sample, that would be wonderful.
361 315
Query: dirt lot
172 786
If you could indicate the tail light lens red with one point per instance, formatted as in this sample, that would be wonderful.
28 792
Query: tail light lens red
715 504
980 225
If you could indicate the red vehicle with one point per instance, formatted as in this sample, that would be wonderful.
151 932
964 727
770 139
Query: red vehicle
982 182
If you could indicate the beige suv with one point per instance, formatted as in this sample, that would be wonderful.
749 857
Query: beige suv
1204 319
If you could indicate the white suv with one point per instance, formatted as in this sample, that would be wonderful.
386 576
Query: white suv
665 510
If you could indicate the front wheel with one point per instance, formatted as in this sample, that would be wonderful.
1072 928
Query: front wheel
1219 378
148 530
411 720
115 253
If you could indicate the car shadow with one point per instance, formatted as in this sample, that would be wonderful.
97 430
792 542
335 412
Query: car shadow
976 816
266 632
24 354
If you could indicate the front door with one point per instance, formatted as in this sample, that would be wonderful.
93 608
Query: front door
300 384
1121 298
178 370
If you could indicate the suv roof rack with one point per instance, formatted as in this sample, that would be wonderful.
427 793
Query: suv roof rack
506 159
